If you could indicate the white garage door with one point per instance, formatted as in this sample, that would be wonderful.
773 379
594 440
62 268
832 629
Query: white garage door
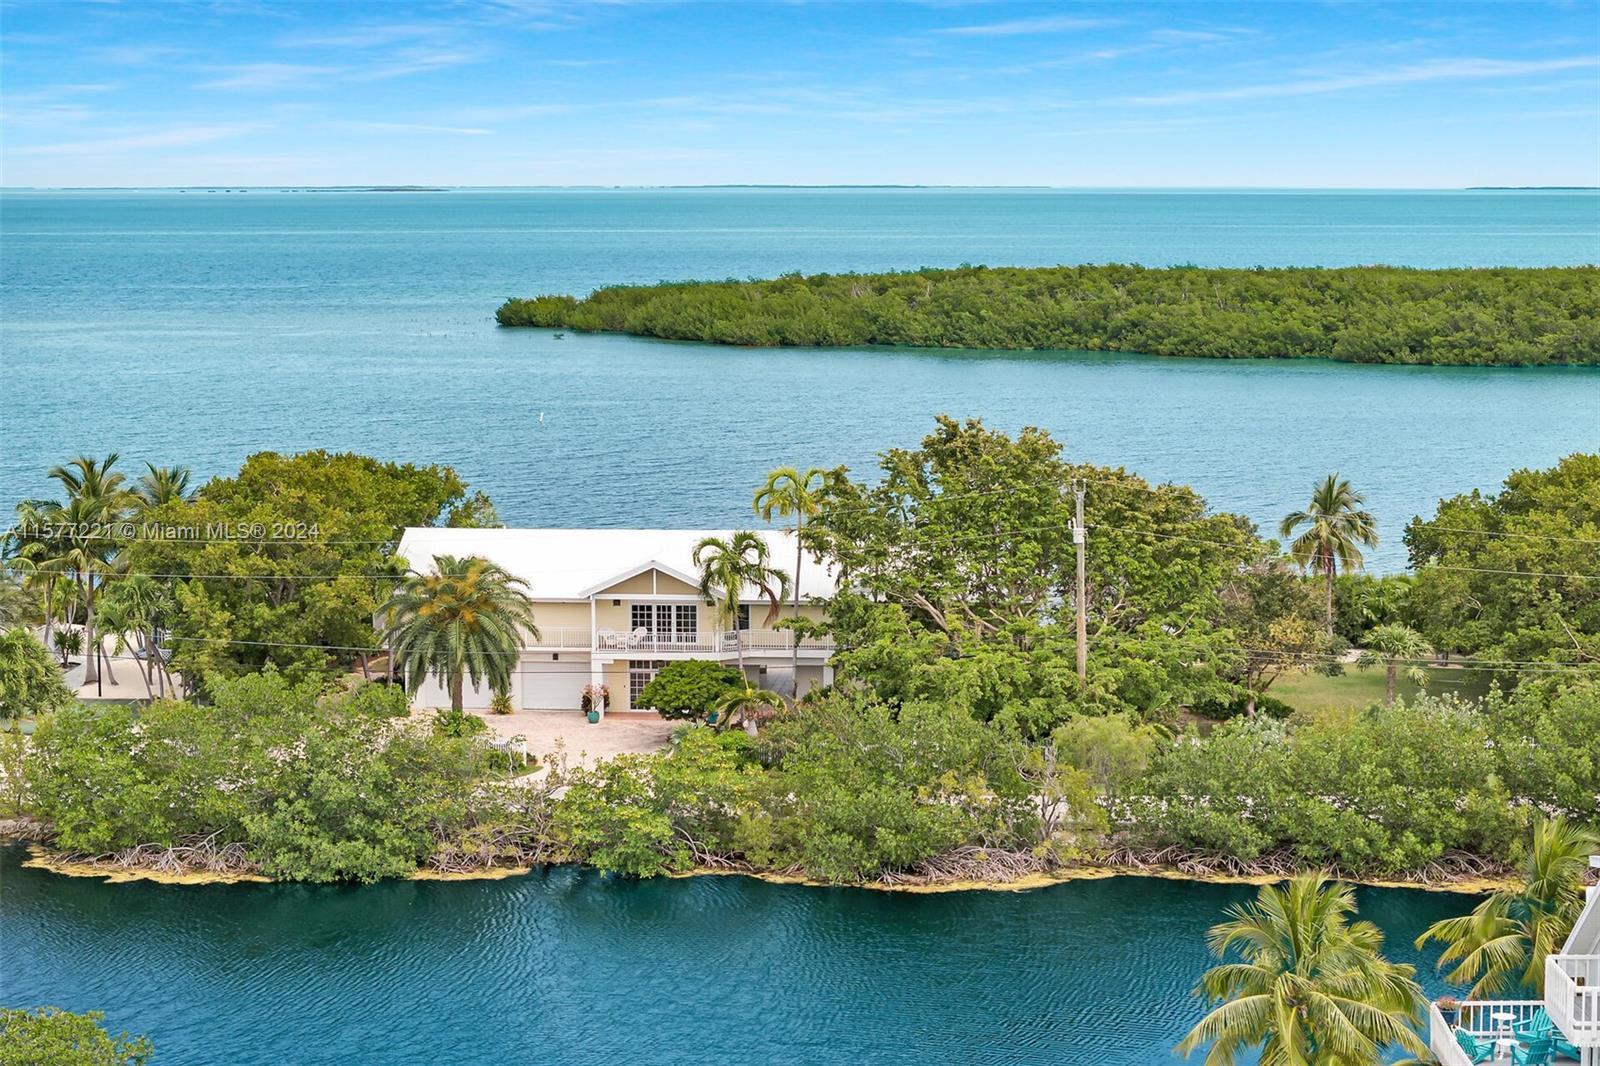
553 686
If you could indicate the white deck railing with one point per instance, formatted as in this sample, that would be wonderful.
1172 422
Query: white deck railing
1442 1040
1572 995
1478 1018
575 638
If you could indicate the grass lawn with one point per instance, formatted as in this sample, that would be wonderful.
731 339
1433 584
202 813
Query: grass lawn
1358 687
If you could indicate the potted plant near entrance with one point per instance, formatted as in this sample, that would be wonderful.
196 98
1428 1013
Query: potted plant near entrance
596 701
1449 1009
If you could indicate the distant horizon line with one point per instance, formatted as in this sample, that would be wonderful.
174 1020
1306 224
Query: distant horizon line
406 187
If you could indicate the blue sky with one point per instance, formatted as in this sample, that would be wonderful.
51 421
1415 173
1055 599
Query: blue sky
529 92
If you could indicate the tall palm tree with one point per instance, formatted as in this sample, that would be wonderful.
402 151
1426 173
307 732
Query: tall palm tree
748 705
465 619
1392 645
1311 987
726 567
789 492
97 496
136 605
164 484
1335 527
1504 941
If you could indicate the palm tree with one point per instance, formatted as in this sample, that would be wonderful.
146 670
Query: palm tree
749 705
136 604
1392 645
1504 941
164 484
726 567
96 497
789 492
1335 525
1310 987
466 619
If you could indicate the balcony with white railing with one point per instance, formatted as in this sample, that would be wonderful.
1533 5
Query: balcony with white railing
1487 1020
1572 996
643 642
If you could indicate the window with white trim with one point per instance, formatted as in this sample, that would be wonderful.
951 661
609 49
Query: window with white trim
667 622
640 673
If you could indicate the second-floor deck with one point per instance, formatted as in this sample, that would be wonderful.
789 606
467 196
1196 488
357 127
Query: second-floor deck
645 641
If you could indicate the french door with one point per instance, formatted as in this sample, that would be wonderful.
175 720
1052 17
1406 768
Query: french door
668 623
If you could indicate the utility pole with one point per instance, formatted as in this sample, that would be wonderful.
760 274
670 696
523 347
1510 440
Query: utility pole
1078 486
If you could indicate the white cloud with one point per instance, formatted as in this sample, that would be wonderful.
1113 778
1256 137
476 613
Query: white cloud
171 137
1027 27
259 76
1437 70
411 127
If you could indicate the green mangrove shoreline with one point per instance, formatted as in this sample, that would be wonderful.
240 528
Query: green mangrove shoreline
1373 314
41 857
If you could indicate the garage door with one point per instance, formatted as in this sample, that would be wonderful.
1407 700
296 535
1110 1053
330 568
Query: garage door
553 686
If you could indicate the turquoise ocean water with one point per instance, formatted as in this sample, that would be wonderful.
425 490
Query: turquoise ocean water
198 327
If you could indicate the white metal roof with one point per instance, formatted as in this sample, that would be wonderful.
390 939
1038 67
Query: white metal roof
571 564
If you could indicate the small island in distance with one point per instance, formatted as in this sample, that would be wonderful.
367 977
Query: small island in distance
1369 314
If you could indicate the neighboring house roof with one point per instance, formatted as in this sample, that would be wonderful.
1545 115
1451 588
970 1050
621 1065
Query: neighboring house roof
573 564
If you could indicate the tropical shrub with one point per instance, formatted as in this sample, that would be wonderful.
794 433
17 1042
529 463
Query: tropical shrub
30 681
312 787
689 688
50 1036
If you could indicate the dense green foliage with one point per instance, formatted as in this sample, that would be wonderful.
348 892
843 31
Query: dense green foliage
50 1036
1384 790
1356 314
313 787
1514 577
30 683
959 567
689 688
298 570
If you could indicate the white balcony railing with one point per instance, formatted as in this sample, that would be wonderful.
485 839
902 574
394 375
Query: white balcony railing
1572 996
1485 1019
646 641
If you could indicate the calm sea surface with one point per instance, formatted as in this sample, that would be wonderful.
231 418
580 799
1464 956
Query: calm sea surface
570 967
199 327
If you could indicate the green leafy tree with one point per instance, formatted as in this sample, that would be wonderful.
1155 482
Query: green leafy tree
1512 576
1330 533
50 1036
467 618
303 558
726 567
789 492
689 688
30 683
1503 943
958 572
1395 646
1309 986
1267 607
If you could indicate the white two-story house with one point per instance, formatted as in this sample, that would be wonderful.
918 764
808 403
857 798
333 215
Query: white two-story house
613 606
1571 1001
